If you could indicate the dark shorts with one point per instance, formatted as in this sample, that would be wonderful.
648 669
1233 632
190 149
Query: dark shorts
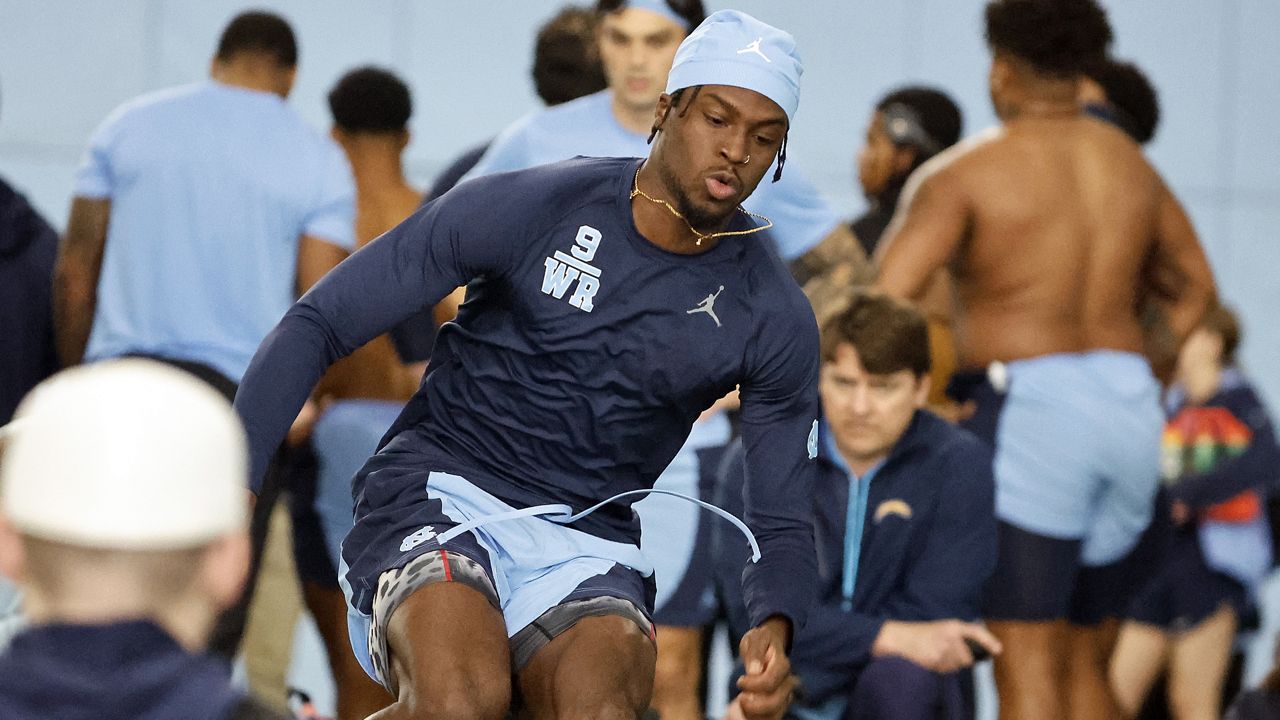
1185 591
1041 579
525 567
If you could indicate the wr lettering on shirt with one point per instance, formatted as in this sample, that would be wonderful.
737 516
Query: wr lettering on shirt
564 269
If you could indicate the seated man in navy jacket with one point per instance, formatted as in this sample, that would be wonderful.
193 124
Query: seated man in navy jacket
905 529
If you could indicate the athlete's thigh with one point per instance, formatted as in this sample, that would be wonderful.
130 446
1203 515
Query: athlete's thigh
447 645
601 667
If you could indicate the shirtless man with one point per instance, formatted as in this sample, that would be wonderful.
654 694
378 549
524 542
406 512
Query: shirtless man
1054 228
361 395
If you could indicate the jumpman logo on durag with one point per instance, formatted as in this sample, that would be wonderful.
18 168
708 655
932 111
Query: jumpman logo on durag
754 47
708 306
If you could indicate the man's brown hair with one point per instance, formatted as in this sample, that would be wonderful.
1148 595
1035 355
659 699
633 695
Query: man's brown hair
890 335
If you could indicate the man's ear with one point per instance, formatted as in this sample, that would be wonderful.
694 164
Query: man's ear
13 558
903 159
1000 72
226 566
922 390
660 113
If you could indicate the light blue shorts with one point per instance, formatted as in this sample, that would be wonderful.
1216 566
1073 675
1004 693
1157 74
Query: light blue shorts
344 438
676 534
1078 449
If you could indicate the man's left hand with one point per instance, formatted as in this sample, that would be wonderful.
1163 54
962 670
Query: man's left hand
768 686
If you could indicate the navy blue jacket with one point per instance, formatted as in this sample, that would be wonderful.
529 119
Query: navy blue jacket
130 670
579 361
28 248
928 546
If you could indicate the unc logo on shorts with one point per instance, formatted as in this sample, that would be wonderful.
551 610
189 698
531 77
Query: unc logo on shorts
812 443
562 270
412 541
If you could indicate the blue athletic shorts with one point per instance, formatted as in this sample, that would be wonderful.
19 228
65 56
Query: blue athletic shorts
534 564
344 438
1077 452
676 534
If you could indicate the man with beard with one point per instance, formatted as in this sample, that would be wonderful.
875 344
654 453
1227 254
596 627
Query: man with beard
611 301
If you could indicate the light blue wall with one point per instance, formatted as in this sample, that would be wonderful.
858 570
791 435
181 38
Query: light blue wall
65 63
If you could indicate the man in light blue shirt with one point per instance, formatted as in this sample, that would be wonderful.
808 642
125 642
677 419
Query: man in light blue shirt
200 213
196 208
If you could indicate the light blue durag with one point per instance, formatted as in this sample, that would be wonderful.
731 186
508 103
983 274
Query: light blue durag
733 48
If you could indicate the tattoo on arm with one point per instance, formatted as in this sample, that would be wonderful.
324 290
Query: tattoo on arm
838 252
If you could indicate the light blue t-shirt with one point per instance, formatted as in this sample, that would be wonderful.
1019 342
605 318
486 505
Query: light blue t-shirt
211 187
587 126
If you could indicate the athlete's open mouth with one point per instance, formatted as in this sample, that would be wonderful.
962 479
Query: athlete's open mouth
723 185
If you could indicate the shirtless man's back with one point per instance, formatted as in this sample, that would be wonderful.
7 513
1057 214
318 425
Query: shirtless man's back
1062 227
1055 231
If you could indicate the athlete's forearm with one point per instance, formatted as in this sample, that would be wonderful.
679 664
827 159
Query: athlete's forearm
74 304
279 380
76 273
778 496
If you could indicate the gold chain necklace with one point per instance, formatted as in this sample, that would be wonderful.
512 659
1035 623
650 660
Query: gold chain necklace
635 190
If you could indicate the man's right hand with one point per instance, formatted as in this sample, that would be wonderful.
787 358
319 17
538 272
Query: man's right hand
938 646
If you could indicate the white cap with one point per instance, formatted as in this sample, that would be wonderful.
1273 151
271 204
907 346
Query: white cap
125 454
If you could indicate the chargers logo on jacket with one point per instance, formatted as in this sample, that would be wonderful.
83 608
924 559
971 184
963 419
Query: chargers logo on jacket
893 507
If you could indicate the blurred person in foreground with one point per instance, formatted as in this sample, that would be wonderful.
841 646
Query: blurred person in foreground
123 518
1054 229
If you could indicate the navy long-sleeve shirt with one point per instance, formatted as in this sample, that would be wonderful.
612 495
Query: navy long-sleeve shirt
928 546
580 359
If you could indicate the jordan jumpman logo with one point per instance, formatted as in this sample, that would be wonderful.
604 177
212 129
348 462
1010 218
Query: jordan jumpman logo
708 306
754 47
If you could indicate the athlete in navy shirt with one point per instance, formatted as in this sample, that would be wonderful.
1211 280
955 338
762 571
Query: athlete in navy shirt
610 301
